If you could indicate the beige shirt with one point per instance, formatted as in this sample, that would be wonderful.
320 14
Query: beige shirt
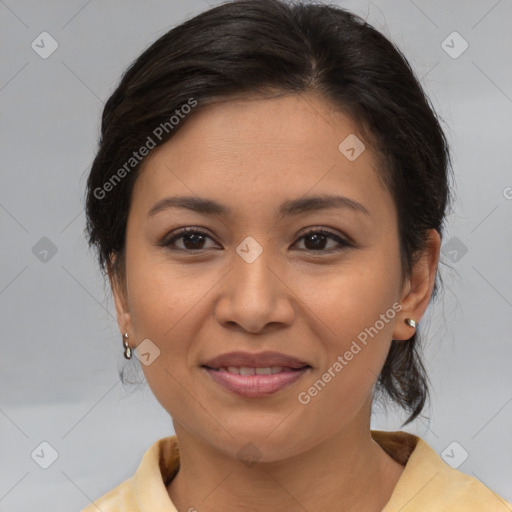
426 484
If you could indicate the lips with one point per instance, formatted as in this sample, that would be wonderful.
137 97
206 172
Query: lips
255 375
248 370
244 362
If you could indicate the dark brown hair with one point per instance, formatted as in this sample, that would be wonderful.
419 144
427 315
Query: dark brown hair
249 47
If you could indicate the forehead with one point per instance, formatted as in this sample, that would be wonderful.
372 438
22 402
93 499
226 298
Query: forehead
262 150
304 124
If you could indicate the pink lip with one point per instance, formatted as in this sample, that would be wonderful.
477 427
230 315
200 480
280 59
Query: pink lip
256 386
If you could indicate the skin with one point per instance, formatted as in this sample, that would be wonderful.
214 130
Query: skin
251 155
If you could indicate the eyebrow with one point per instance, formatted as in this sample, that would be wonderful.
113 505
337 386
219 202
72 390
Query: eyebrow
290 207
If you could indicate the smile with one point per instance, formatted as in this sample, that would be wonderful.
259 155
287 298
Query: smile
244 370
253 382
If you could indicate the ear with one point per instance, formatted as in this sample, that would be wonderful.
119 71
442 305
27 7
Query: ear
418 287
119 291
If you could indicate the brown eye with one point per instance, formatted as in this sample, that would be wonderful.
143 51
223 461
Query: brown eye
192 239
316 240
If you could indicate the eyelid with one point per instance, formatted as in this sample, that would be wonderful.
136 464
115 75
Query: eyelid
341 240
176 234
324 230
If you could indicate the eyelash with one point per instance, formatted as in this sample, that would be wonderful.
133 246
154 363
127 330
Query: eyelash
168 242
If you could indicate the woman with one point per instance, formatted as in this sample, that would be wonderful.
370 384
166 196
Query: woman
268 201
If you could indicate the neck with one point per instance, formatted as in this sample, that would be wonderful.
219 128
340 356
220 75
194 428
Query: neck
348 471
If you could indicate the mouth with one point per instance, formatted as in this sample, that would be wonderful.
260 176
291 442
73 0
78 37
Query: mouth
255 382
243 362
264 370
255 375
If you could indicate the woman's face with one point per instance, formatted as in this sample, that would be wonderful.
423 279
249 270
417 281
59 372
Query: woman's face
256 282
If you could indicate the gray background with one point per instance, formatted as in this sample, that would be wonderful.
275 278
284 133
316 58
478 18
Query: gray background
61 348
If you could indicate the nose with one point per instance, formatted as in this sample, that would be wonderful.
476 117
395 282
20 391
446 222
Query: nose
255 296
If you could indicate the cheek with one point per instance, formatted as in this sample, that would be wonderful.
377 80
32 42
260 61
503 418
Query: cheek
162 293
355 348
354 314
164 307
167 303
350 297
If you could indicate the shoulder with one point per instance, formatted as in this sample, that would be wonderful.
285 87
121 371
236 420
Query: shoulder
429 483
120 498
146 489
